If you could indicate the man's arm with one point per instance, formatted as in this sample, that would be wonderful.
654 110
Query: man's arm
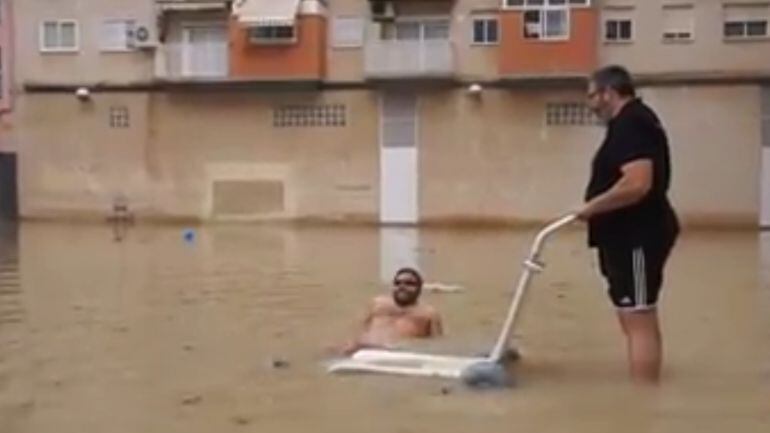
436 327
354 344
369 316
632 187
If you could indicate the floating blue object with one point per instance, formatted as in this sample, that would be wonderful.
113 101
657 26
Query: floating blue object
486 375
189 235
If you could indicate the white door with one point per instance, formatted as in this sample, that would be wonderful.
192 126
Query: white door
204 51
398 158
765 176
398 249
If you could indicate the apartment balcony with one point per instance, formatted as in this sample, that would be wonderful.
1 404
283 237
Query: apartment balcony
184 62
190 5
409 59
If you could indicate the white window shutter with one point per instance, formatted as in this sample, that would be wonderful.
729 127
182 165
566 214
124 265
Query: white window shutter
746 12
115 35
347 32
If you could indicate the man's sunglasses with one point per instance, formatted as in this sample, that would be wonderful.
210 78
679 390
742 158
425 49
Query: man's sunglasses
402 282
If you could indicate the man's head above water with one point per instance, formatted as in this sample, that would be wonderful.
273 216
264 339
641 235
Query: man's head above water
407 287
609 88
398 316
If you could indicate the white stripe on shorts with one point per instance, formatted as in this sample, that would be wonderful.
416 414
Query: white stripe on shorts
640 277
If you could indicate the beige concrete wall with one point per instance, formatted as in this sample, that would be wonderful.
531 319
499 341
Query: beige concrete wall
72 163
217 156
345 64
474 61
89 64
708 52
326 172
715 134
181 148
496 160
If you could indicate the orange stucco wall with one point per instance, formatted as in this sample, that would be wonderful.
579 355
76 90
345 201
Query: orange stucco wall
578 54
304 59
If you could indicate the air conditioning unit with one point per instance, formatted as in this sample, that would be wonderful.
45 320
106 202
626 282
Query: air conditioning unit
383 10
142 38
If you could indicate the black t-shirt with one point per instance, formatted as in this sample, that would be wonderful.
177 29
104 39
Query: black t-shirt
634 133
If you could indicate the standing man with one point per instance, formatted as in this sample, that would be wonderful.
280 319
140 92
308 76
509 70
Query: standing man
630 220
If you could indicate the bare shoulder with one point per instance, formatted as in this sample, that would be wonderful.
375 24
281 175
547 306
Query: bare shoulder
380 302
429 312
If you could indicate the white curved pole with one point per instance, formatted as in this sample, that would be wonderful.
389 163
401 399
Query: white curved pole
531 265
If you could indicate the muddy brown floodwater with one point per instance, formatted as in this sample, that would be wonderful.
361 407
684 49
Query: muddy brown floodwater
226 332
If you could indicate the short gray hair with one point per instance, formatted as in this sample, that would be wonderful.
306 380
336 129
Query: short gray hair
614 77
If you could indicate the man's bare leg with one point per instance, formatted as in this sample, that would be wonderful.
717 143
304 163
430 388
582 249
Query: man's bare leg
645 348
623 324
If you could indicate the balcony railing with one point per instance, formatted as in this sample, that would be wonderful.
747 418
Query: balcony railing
409 58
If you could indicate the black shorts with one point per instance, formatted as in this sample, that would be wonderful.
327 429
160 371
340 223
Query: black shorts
635 274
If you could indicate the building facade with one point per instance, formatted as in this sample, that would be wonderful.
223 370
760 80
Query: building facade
402 111
8 162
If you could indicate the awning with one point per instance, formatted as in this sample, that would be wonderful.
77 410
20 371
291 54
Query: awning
190 5
266 12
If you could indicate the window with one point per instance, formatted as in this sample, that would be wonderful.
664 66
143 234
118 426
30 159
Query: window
272 35
408 31
435 29
540 3
59 36
746 21
618 24
416 30
117 35
617 30
546 24
486 31
347 32
119 117
204 50
331 115
569 114
678 23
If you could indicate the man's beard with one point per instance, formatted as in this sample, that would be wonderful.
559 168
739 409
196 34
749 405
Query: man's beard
403 298
602 114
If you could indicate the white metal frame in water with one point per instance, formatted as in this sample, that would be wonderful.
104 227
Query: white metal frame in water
452 367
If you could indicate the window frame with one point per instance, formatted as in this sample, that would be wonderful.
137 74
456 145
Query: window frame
334 42
542 35
130 24
421 22
486 19
677 39
187 65
745 36
59 49
272 40
619 39
525 4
